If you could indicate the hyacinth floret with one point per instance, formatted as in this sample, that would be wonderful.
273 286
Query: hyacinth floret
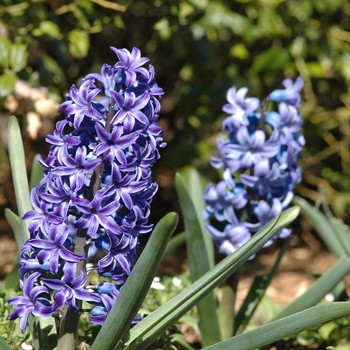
95 196
259 162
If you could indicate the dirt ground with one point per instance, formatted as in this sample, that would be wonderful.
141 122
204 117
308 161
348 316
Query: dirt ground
305 258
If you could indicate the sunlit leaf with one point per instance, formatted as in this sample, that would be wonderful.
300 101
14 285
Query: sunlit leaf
18 57
5 49
48 28
7 84
79 43
200 254
272 59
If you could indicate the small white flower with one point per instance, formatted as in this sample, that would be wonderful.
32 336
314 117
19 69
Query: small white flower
26 346
156 284
176 281
329 297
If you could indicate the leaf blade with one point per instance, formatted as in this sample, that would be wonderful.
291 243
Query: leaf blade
198 261
285 327
136 286
322 226
19 173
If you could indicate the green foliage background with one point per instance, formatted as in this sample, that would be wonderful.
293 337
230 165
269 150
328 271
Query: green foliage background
200 48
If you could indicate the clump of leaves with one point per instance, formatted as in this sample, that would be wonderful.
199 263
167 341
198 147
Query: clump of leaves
334 334
8 330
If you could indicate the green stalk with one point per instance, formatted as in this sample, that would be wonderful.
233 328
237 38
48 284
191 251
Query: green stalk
70 321
199 253
227 305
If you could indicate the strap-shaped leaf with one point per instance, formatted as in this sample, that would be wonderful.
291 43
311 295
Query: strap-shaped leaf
257 291
145 332
195 191
4 345
12 279
19 173
44 332
322 225
285 327
174 243
43 329
37 173
136 286
198 262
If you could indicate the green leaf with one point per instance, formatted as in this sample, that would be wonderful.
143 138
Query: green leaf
323 227
4 345
318 290
227 305
197 255
48 28
44 332
79 43
7 84
136 286
12 279
19 174
326 329
339 292
146 331
174 243
17 10
256 292
36 174
42 329
195 191
272 59
342 232
15 223
18 57
5 49
285 327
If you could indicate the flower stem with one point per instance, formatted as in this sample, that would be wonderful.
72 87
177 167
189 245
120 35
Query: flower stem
227 305
67 337
70 320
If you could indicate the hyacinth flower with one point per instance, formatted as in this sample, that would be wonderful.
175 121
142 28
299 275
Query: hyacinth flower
259 164
95 194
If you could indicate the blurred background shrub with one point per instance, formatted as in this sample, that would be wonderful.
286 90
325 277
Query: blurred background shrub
199 48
